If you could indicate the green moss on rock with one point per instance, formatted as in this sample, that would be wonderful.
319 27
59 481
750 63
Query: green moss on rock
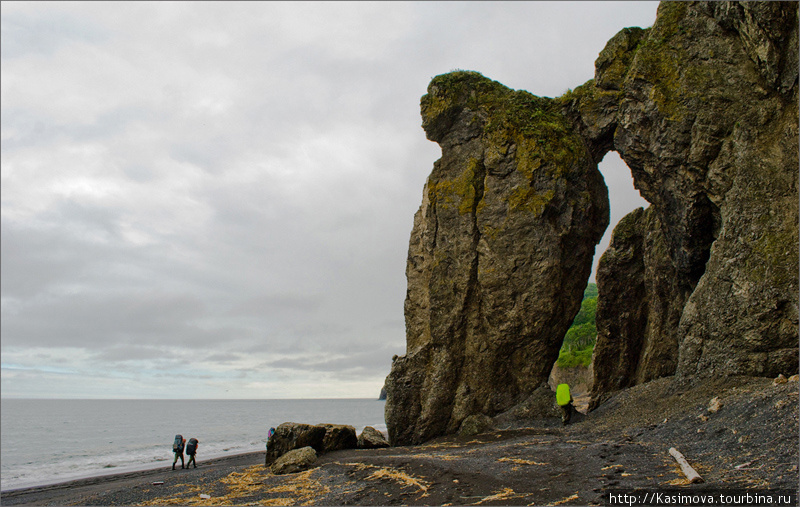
460 191
611 66
528 199
660 59
535 124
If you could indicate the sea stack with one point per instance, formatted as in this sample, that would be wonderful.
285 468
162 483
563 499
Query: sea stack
499 255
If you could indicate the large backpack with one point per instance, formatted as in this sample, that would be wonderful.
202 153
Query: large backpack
191 447
562 394
177 445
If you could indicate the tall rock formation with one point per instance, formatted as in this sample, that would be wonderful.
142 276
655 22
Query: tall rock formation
708 124
499 255
703 108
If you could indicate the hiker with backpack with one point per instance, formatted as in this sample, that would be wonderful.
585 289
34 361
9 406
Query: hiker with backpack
177 448
191 450
564 400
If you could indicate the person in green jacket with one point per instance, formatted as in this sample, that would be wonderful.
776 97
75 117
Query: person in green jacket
564 400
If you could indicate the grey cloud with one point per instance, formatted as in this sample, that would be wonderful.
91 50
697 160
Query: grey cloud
29 263
46 370
76 246
180 375
375 360
262 168
44 32
392 324
31 130
209 150
139 172
129 352
222 358
277 304
85 320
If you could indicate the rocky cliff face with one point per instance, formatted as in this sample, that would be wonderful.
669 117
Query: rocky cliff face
639 306
703 108
499 255
708 124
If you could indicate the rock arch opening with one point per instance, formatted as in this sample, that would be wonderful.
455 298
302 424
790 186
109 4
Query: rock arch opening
622 199
576 349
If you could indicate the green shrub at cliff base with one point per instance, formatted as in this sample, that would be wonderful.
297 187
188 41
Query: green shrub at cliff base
575 358
580 339
580 336
578 346
587 312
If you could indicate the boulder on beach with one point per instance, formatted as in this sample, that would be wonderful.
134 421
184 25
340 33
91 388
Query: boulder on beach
370 438
321 437
294 461
339 436
289 436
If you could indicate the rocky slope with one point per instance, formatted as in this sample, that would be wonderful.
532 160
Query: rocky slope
703 108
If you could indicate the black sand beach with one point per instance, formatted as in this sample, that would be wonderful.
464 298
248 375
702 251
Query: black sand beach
750 442
130 487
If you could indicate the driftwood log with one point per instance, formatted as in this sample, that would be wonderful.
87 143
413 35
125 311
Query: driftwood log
686 468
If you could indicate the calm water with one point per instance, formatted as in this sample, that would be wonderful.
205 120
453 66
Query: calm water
49 441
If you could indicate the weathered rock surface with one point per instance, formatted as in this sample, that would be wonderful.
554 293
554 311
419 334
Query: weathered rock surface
639 306
707 121
339 436
541 404
475 424
499 255
370 438
703 108
294 461
289 436
322 437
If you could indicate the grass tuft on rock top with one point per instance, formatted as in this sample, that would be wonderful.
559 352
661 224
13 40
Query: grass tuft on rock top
534 123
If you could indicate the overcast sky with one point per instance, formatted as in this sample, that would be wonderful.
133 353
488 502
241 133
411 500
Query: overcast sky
214 200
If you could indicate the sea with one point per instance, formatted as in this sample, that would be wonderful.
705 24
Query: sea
50 441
